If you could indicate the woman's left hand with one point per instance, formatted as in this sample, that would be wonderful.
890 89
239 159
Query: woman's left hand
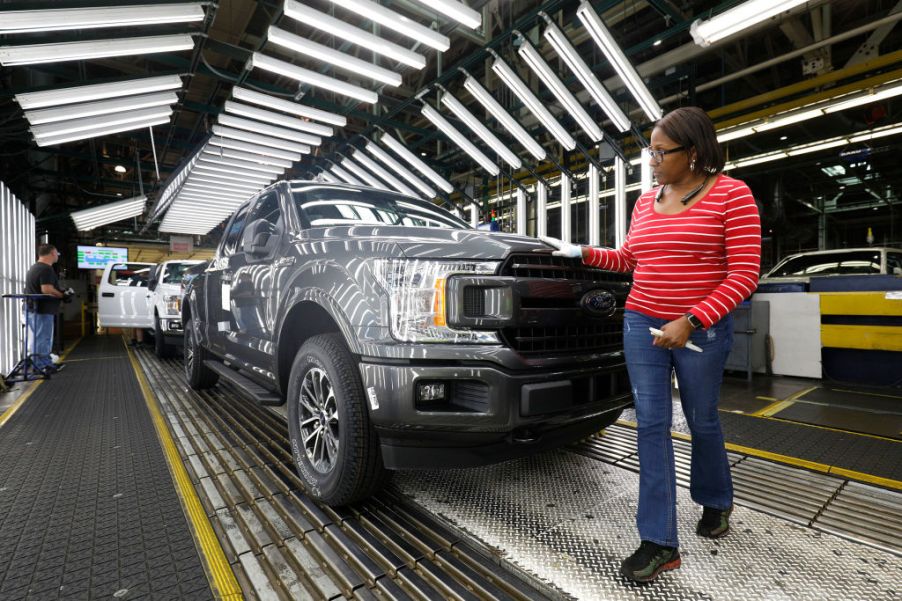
676 334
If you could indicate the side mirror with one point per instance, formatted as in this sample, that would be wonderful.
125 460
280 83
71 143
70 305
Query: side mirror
151 285
258 246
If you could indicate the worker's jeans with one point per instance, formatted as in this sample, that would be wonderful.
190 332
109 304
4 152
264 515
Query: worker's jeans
41 325
699 376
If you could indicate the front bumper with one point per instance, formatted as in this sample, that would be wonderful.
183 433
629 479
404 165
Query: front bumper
489 414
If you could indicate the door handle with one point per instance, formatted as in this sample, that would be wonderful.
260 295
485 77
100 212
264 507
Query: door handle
108 294
285 262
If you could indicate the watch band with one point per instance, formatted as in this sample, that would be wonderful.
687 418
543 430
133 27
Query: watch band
694 321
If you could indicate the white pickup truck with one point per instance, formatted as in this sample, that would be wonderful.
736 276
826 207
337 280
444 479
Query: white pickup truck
146 296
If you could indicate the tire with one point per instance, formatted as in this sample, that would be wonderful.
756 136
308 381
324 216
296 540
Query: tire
199 376
343 462
163 350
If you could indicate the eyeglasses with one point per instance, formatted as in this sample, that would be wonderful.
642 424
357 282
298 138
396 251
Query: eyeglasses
658 155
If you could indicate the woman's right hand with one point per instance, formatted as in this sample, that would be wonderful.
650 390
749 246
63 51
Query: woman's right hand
564 249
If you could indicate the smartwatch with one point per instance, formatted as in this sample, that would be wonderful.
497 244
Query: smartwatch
694 321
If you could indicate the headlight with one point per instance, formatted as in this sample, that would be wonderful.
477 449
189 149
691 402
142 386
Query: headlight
416 291
173 304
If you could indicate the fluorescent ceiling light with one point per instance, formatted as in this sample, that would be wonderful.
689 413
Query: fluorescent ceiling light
319 52
217 194
393 181
736 19
252 138
343 174
89 123
866 98
268 130
805 149
364 39
328 177
216 185
312 78
224 174
734 134
584 74
503 117
535 105
248 148
794 117
396 22
618 60
459 139
243 165
880 133
287 106
532 58
362 174
212 201
69 51
48 98
458 11
415 162
455 106
100 107
48 19
277 119
156 118
109 213
400 169
249 157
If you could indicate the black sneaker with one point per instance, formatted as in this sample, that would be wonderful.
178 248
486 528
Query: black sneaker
714 523
649 560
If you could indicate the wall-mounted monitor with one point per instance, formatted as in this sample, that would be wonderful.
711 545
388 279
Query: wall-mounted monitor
97 257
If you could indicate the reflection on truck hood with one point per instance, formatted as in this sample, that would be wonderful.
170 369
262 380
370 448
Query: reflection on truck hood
434 243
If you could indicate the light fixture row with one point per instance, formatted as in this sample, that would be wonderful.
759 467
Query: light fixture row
88 219
811 111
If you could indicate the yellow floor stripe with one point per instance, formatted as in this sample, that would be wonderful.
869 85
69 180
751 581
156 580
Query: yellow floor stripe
794 461
222 578
781 405
5 417
767 398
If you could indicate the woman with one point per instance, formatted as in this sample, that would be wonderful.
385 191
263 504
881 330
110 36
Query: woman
694 247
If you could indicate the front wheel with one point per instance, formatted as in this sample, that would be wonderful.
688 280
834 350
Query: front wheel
163 350
199 376
333 443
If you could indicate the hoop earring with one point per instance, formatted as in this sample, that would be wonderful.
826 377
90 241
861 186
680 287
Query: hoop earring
692 165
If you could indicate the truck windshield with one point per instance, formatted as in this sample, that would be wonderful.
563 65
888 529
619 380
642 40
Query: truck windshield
842 262
321 206
175 272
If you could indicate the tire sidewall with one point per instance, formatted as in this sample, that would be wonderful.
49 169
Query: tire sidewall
321 486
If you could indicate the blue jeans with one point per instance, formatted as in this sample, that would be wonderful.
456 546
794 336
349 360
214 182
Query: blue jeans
41 326
699 376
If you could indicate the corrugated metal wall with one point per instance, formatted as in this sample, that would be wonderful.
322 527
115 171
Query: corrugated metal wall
17 253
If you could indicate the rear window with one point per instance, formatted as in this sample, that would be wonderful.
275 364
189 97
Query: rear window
323 206
175 272
130 274
861 262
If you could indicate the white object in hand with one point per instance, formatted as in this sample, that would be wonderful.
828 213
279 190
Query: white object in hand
689 345
564 249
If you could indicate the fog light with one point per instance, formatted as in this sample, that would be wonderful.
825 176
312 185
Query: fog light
431 391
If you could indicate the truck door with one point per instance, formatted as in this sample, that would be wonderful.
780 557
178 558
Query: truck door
218 284
249 339
125 300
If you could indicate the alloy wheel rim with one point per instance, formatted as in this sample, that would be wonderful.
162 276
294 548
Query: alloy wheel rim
189 353
318 420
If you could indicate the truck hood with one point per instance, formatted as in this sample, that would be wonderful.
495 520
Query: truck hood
435 243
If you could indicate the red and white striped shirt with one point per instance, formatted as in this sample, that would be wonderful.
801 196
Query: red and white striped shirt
703 261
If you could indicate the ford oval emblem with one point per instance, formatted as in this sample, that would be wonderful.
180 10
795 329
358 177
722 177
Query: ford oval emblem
599 303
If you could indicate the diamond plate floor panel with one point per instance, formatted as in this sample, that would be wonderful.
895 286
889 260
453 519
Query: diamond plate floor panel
87 504
569 520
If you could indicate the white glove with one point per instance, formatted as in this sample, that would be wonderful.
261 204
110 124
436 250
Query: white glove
564 249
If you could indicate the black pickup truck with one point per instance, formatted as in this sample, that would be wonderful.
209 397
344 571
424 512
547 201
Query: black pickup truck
400 337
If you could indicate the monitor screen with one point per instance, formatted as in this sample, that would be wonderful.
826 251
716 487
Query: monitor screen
97 257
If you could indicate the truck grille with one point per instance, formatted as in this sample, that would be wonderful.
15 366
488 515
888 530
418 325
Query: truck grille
562 268
579 334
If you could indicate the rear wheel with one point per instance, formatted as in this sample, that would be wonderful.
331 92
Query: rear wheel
333 443
199 376
163 350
